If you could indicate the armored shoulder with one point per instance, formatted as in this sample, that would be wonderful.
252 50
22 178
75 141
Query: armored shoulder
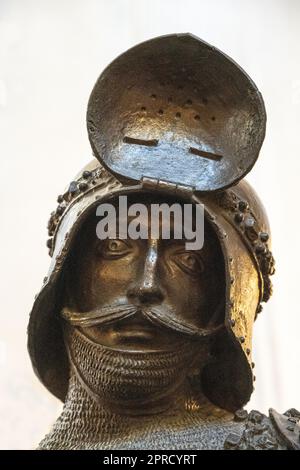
276 432
288 427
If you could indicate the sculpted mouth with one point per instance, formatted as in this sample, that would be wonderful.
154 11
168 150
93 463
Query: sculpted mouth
125 327
134 334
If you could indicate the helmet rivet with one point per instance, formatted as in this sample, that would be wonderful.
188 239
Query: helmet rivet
86 174
264 236
252 365
251 234
259 248
259 308
60 210
60 198
249 222
83 186
248 351
242 339
49 243
73 187
239 217
272 271
243 206
232 322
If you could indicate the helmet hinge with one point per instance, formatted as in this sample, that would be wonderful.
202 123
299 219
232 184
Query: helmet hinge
163 185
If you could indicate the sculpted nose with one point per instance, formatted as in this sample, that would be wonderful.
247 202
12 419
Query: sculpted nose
147 289
145 294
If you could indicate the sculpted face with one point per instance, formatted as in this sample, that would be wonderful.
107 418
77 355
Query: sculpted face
144 299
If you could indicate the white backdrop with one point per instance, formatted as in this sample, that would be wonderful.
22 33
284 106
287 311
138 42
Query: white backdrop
51 52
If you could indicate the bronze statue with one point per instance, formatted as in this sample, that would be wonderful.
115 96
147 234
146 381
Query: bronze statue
147 343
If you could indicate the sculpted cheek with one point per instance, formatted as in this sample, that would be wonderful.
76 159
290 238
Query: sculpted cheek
117 271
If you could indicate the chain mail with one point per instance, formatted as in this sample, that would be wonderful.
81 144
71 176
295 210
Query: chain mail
190 423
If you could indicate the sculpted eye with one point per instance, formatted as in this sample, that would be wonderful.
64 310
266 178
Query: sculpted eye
113 248
189 262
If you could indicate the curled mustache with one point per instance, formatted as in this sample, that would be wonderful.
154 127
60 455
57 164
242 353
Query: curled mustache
163 316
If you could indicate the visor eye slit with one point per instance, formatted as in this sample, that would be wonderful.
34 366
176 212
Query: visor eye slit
144 142
203 154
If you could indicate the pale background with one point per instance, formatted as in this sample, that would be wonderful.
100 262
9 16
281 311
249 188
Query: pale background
51 53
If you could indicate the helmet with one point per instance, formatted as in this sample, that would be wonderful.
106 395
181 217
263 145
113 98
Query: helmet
172 116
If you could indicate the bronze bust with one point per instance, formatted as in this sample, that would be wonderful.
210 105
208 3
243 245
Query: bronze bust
146 342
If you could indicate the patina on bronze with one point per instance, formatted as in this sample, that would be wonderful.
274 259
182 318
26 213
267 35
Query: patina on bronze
148 344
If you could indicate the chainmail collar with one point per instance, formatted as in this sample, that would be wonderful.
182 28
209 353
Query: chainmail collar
85 424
